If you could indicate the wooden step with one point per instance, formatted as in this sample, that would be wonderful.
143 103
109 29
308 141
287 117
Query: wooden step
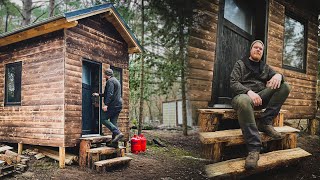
234 137
102 150
102 165
235 167
97 139
209 119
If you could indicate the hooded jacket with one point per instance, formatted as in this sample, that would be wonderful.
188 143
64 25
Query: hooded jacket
243 77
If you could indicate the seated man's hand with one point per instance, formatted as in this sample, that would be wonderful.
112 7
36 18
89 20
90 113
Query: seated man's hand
257 101
95 94
105 108
275 81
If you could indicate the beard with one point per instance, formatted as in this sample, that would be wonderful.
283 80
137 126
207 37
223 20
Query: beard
256 57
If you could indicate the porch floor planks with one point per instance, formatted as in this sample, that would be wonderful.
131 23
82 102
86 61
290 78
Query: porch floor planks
235 167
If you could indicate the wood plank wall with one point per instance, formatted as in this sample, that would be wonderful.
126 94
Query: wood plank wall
302 99
39 119
95 39
201 55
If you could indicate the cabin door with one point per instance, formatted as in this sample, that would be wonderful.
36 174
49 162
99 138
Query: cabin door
240 22
91 82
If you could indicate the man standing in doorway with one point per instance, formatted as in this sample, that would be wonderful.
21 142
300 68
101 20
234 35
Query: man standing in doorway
112 104
256 86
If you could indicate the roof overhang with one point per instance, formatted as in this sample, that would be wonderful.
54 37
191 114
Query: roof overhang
69 20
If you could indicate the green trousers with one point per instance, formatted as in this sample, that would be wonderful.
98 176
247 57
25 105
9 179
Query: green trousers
272 100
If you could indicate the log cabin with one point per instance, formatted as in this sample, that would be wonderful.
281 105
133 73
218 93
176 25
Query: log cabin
48 71
222 33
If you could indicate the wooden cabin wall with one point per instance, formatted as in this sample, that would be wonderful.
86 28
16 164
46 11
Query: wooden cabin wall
39 119
201 55
94 39
302 98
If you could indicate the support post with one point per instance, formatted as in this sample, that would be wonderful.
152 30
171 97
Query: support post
208 122
313 126
83 155
62 157
20 148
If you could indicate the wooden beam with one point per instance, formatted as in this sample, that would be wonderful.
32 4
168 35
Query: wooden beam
62 157
235 167
114 19
37 31
313 126
20 148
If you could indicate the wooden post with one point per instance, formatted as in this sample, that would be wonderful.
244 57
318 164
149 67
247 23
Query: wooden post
290 141
20 148
208 122
83 155
62 157
212 151
281 119
313 126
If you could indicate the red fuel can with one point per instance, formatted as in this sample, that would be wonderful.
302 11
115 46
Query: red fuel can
143 143
135 144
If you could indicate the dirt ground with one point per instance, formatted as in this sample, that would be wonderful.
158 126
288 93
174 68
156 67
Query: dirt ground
180 159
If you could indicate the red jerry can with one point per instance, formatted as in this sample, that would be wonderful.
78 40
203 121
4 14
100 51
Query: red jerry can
135 144
143 143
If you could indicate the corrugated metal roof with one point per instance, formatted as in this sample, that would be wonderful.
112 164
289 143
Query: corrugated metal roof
75 15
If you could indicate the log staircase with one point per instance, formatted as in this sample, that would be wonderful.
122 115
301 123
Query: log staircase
281 152
94 154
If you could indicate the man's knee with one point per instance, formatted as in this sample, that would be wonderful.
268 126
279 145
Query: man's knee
285 88
242 101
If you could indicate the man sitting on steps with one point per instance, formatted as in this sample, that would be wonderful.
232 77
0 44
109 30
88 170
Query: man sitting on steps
256 86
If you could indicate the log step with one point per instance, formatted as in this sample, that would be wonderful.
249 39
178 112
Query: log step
235 137
97 139
235 167
101 165
102 150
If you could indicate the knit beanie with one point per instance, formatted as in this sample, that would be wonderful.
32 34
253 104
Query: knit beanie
108 72
256 41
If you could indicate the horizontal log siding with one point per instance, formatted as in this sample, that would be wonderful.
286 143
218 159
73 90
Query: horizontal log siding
201 55
97 40
302 99
40 118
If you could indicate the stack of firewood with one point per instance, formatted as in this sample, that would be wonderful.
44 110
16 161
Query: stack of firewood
11 162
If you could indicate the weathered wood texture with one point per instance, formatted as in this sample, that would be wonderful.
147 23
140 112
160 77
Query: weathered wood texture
302 98
235 167
201 55
209 119
40 118
94 39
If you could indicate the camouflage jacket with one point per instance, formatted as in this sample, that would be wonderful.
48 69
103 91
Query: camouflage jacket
243 78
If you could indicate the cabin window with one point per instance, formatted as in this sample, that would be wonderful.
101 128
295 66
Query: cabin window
13 84
117 73
294 53
239 13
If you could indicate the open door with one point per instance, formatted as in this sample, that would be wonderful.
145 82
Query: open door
240 22
91 82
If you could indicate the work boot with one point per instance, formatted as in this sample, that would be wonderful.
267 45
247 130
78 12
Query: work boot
252 160
117 137
270 131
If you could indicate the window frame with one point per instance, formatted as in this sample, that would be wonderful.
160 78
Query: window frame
14 64
304 22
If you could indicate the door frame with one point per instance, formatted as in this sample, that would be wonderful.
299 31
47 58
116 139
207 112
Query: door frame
224 22
86 60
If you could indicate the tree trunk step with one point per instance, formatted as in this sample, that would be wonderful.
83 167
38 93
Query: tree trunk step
235 167
112 162
102 150
234 137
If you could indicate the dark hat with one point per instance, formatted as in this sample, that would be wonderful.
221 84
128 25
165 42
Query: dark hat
108 72
256 41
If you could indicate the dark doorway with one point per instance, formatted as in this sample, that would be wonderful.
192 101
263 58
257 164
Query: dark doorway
91 82
240 22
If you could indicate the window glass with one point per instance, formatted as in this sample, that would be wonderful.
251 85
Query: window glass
13 83
239 13
294 44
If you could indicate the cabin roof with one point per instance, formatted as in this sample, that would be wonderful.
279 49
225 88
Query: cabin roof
68 20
